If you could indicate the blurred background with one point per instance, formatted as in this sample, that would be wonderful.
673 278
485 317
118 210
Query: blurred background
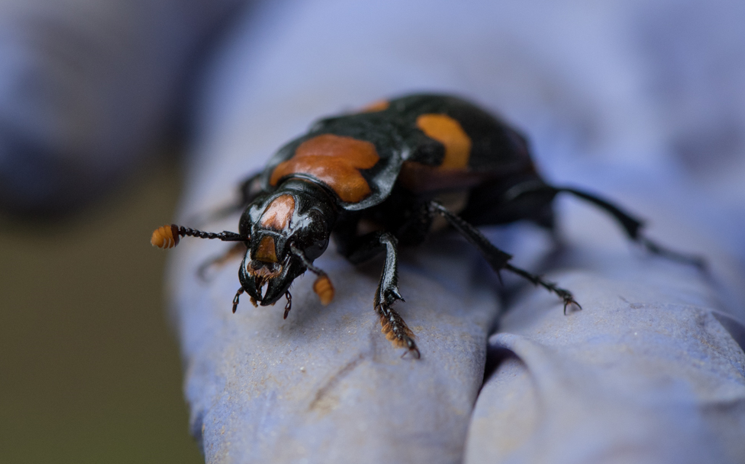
92 101
89 369
95 95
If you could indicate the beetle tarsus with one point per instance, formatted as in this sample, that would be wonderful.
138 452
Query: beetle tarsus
497 258
569 302
564 294
568 298
396 330
413 350
392 324
236 299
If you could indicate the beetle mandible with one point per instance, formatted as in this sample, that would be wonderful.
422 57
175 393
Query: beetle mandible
390 165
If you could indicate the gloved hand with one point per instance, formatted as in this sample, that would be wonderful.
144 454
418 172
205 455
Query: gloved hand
629 377
649 370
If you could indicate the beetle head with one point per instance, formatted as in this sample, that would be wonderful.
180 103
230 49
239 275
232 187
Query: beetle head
288 229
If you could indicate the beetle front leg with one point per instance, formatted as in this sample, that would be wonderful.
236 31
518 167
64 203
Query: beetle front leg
392 324
237 250
497 258
248 190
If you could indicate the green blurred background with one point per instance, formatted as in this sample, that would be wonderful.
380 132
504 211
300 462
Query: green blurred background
89 369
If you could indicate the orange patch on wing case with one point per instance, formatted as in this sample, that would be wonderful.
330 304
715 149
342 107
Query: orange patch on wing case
334 160
449 132
277 215
376 106
267 250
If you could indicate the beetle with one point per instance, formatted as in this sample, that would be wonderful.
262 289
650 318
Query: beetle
375 180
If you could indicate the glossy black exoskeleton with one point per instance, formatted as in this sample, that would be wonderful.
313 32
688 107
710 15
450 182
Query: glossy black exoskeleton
385 170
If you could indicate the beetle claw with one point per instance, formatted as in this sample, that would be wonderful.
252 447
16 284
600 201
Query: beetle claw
568 301
413 350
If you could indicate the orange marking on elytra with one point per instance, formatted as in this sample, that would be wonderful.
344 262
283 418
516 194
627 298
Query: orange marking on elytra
334 160
449 132
266 251
379 105
277 215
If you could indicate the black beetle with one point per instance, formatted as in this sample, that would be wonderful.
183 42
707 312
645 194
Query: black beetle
375 179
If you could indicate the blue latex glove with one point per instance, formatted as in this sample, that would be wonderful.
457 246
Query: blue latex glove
649 371
646 372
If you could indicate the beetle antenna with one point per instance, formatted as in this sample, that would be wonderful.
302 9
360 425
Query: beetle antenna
322 286
169 236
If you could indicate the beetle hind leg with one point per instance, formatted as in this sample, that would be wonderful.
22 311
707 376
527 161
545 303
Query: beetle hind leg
497 258
634 228
564 294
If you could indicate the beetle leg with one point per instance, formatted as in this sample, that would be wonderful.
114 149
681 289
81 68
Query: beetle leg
633 226
392 324
394 327
565 295
238 249
497 258
248 190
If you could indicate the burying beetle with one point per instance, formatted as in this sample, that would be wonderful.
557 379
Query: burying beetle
386 169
